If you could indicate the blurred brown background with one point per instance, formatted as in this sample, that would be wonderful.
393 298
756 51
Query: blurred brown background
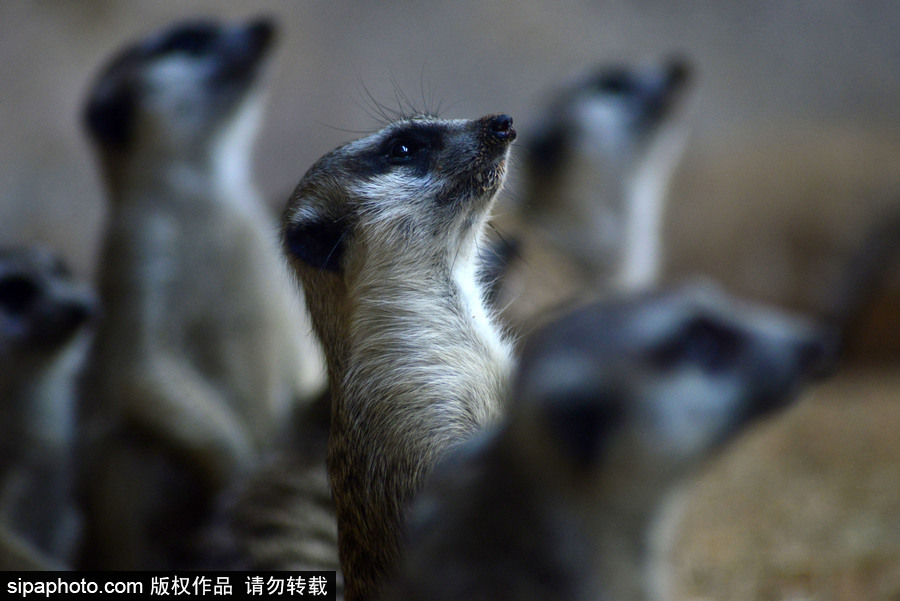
796 136
764 67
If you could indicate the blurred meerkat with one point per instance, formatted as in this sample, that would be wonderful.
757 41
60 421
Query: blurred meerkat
614 405
280 515
384 234
17 554
596 176
46 319
203 350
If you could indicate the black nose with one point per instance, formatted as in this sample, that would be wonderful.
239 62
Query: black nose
261 32
78 313
501 126
678 72
819 355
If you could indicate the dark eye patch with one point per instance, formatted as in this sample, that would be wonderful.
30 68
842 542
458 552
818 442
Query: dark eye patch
410 147
583 423
413 140
194 39
703 342
615 83
402 150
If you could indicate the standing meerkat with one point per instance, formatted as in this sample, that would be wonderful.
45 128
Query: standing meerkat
595 179
615 404
46 319
203 349
384 234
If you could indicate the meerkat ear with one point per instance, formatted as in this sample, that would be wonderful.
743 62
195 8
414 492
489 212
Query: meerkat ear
318 242
109 115
545 152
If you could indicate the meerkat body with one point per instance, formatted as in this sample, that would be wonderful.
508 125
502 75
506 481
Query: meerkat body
203 349
596 176
45 330
384 234
614 405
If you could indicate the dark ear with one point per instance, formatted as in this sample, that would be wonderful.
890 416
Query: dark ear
582 425
546 151
109 116
318 243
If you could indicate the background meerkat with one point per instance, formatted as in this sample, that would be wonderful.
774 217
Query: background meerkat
593 191
17 554
614 405
280 515
203 349
384 234
45 327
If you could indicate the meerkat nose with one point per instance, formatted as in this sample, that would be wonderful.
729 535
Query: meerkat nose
262 29
678 72
501 127
820 354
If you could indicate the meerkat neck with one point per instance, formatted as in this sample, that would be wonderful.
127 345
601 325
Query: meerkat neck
426 369
231 156
623 562
218 169
42 398
645 193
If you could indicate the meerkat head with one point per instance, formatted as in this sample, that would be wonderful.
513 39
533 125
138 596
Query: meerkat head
598 168
632 394
174 94
411 197
42 309
609 119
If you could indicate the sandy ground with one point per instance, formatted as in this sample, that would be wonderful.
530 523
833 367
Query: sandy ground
805 507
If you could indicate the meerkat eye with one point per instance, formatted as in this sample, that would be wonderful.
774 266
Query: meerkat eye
17 293
401 150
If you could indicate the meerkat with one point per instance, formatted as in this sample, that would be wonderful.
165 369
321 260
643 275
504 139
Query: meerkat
203 349
46 322
613 406
384 234
593 190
